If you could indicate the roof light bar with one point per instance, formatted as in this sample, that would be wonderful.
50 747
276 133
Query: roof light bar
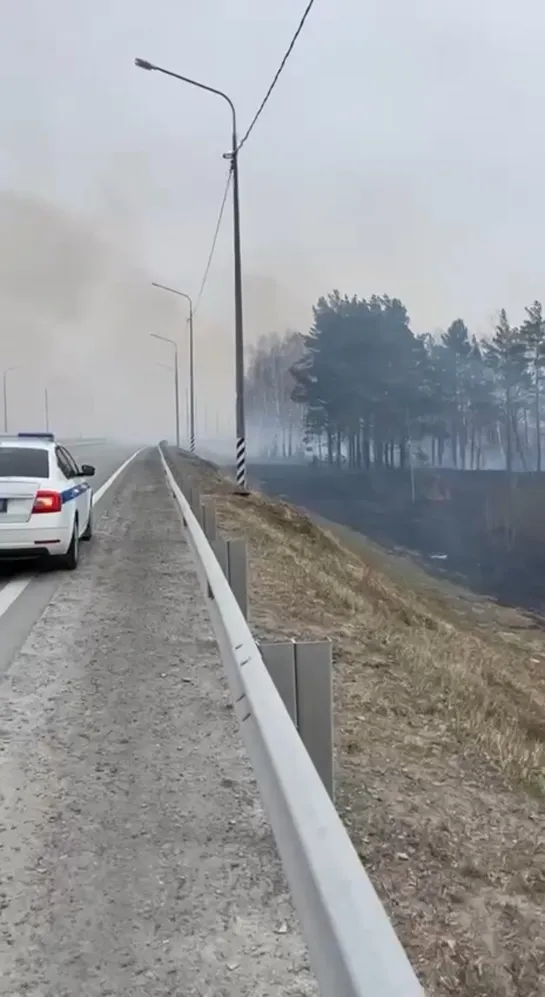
36 436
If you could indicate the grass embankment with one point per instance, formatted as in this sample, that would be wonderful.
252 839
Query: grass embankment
440 739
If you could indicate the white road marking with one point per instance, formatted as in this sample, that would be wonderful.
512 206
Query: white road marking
104 488
12 590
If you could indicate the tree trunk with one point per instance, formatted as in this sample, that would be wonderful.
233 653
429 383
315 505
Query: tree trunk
472 446
508 433
518 445
366 448
538 421
351 450
463 442
479 449
329 445
378 450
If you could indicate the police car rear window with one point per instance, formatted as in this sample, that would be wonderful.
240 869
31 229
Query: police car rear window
23 462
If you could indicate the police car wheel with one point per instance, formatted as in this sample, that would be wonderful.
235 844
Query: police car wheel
88 531
69 561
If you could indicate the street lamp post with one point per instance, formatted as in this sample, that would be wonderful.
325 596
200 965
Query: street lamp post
5 390
239 336
182 294
46 408
173 343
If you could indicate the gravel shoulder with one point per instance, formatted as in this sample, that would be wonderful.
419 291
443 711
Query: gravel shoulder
135 858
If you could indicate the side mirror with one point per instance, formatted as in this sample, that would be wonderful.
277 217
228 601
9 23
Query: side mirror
87 470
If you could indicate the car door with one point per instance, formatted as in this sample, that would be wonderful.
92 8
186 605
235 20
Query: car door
64 469
82 487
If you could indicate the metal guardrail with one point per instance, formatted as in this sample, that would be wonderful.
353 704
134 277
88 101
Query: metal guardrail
301 670
353 948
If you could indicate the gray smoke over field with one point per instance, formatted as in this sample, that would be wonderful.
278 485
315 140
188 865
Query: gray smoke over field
76 318
398 153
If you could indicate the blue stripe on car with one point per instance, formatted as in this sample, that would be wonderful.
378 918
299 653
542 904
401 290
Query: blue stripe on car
74 491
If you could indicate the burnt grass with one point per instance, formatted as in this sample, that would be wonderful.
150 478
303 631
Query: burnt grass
490 525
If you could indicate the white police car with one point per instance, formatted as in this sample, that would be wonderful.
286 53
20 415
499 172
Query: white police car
46 502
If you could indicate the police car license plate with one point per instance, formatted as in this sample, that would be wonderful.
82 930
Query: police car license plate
3 505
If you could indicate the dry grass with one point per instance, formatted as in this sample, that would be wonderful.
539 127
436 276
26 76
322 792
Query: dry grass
440 706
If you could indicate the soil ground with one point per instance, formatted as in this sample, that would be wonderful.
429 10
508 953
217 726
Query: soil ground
440 737
486 531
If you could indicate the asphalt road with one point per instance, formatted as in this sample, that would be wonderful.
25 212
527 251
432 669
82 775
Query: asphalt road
21 600
136 860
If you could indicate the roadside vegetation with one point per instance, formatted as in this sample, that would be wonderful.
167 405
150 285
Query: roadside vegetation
440 739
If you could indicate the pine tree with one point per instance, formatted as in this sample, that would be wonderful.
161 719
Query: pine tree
505 354
533 337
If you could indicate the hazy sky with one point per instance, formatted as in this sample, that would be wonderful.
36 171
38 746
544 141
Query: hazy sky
401 152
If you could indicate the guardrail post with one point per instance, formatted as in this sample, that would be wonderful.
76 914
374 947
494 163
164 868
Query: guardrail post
209 525
195 502
279 660
314 685
219 546
237 572
186 491
302 675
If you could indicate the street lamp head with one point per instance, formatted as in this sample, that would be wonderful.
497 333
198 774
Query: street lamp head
173 290
144 64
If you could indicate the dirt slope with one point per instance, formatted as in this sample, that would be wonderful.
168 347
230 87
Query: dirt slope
440 714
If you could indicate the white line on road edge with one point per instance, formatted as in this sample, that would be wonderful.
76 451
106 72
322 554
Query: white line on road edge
104 488
12 590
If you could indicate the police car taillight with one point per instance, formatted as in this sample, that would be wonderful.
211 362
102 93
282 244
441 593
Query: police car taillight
45 501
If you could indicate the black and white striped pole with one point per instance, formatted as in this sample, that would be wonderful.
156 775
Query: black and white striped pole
232 156
239 333
182 294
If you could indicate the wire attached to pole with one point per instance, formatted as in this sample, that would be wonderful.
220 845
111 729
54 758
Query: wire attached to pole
276 77
214 241
250 128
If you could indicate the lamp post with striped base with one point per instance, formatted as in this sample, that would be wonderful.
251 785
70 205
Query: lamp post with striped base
232 156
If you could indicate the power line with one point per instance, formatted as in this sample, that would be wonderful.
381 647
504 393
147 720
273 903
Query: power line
276 77
257 115
214 241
